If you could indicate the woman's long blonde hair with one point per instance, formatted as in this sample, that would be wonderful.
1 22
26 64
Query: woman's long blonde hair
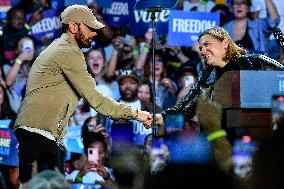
220 33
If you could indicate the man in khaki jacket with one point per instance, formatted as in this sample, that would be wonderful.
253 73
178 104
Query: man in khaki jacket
57 79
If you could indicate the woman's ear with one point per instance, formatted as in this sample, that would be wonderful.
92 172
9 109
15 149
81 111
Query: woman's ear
225 43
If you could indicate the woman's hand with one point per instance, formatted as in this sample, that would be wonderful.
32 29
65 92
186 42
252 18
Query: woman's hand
87 167
168 84
159 119
100 169
25 56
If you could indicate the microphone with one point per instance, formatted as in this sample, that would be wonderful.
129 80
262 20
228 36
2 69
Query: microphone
279 36
154 9
155 5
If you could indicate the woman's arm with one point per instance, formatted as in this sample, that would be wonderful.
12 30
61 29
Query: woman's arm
272 10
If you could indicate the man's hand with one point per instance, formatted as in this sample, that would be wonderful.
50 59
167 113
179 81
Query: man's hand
145 117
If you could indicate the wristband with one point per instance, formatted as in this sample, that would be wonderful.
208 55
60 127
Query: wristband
18 61
203 2
78 179
27 26
146 49
216 134
135 52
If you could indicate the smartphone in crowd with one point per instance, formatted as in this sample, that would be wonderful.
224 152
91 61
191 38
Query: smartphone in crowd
277 111
93 154
174 121
27 46
243 151
159 154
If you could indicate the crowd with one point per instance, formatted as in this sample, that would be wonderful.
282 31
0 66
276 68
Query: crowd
128 154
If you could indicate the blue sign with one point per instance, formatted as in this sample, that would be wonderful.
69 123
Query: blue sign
73 2
119 12
132 132
8 147
266 84
49 28
141 21
72 140
5 5
100 3
4 123
186 26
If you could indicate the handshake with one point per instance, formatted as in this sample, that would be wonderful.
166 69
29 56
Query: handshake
146 118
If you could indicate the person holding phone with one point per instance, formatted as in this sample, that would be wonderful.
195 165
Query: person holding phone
57 80
221 55
92 163
16 73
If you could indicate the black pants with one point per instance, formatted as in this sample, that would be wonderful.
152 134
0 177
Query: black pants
33 148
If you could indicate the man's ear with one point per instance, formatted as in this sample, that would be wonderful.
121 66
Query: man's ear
73 27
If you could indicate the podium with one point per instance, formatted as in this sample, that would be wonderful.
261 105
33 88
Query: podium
245 97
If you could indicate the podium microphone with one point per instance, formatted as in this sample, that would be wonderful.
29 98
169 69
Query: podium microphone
279 36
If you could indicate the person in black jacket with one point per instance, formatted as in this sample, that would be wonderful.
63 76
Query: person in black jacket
221 55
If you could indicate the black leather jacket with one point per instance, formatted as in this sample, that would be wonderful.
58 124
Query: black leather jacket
210 75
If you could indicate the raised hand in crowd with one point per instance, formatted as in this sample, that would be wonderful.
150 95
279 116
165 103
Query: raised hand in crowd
117 42
36 16
100 129
168 84
25 56
149 36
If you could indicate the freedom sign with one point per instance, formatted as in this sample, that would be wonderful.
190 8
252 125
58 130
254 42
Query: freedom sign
186 26
117 15
47 28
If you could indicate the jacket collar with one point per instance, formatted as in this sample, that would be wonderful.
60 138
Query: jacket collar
70 40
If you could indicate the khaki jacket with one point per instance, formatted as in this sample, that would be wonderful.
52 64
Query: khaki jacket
57 79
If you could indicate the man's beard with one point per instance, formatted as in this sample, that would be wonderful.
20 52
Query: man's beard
81 40
129 97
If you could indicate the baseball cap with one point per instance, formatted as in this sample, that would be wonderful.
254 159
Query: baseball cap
80 14
124 73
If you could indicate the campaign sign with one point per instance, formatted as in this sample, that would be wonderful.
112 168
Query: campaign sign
72 140
8 147
131 132
47 28
4 123
141 21
118 13
73 2
186 26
